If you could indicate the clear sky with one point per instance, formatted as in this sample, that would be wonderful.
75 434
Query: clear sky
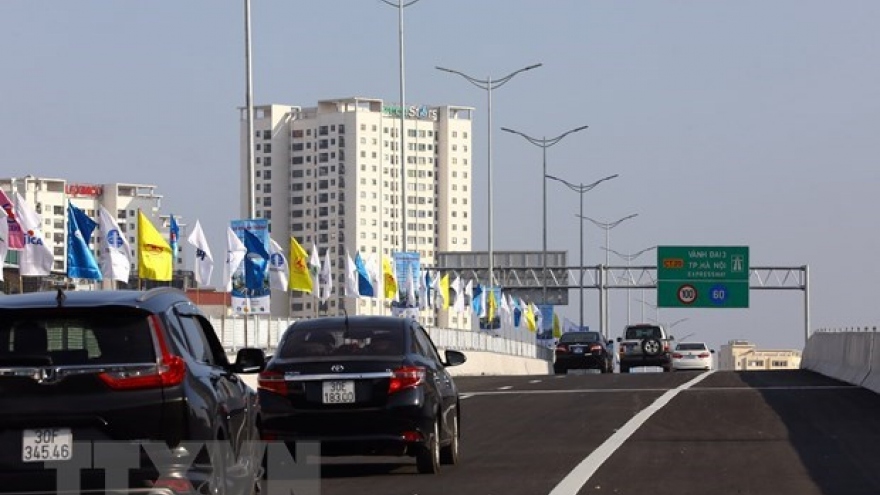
737 122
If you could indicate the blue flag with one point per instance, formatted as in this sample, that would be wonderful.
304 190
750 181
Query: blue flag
256 261
477 302
81 262
173 236
365 287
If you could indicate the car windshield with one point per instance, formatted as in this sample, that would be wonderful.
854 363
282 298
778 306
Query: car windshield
644 333
579 337
691 346
363 341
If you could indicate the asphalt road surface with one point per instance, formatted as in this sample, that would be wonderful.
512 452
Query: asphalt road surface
684 433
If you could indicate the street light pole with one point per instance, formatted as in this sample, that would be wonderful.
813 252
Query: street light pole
400 6
580 189
545 143
607 226
249 108
489 84
628 258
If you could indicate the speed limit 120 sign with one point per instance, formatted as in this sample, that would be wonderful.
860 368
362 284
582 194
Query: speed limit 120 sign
687 294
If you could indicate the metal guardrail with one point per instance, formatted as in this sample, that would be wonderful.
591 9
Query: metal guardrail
264 333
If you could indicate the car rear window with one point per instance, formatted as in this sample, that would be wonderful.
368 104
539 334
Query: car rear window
690 346
579 337
644 333
315 342
76 339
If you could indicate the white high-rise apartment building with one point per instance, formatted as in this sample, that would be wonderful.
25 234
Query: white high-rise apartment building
330 176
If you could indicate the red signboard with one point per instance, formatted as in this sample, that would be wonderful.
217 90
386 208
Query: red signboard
91 190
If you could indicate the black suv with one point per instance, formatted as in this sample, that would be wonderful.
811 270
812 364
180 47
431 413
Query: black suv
645 345
126 391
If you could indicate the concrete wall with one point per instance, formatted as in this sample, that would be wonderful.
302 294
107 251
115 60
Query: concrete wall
852 357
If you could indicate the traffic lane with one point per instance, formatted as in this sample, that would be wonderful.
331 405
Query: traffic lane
515 444
573 381
780 433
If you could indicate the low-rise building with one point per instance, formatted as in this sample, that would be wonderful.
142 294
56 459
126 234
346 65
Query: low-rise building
742 355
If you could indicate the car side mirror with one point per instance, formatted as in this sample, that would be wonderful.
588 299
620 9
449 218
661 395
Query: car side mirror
712 351
671 337
249 360
454 358
619 339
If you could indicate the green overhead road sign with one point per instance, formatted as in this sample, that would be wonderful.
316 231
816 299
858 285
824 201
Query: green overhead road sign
703 276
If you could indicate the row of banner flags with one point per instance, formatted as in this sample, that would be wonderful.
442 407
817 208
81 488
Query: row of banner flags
253 265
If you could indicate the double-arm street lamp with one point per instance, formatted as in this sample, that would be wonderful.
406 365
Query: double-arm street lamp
628 257
580 189
607 226
545 143
489 84
400 5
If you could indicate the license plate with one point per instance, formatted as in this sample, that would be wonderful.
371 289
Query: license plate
690 356
46 444
338 392
578 350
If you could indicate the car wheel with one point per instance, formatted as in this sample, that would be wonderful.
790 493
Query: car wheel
449 454
428 457
652 347
624 368
559 370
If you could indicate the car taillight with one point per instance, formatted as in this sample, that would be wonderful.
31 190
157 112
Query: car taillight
169 371
562 348
406 377
677 355
272 381
704 355
595 347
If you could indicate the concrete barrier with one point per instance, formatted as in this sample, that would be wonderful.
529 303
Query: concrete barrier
856 361
488 363
872 379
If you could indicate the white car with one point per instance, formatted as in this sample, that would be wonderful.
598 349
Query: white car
692 356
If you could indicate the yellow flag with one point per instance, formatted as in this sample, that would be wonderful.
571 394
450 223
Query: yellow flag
300 278
530 318
491 306
444 290
154 253
389 278
557 328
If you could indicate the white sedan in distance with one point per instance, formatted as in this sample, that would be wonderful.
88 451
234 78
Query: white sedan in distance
692 356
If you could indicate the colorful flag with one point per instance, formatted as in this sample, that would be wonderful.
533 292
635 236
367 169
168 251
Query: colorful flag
374 270
116 251
444 290
351 276
458 302
390 281
539 318
4 240
173 236
81 262
468 296
477 300
299 270
424 289
235 253
278 269
15 238
365 285
256 261
315 270
557 328
36 258
491 307
504 311
326 277
411 288
154 254
204 260
529 315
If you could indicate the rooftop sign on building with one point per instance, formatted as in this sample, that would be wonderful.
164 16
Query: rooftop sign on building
422 112
88 190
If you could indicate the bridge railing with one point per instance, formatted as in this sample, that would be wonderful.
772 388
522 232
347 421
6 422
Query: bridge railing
264 333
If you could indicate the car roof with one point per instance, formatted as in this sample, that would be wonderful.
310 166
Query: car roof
357 321
149 300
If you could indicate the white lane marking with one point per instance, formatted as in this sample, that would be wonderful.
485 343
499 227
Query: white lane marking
581 474
506 387
534 381
464 396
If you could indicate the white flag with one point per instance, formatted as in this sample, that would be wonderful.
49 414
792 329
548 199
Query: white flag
423 290
374 270
115 250
351 277
235 253
315 270
204 259
4 239
458 302
326 278
410 288
505 312
279 270
36 258
469 292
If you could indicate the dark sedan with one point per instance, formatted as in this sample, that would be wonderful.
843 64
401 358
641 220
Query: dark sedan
582 350
363 385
